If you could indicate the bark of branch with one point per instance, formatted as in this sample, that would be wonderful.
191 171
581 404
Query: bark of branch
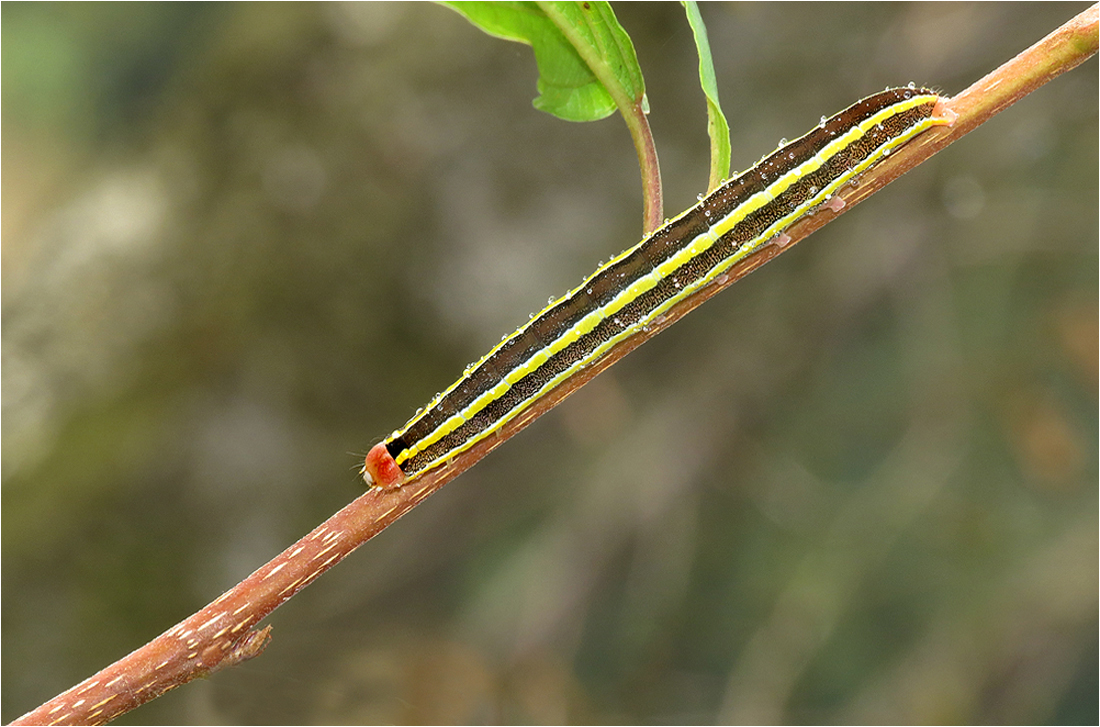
222 634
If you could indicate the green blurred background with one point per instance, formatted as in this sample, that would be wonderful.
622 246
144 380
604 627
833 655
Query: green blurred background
241 243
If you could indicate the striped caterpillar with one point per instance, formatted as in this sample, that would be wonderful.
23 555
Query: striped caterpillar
637 287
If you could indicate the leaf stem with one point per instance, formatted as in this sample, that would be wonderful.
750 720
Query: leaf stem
631 106
652 193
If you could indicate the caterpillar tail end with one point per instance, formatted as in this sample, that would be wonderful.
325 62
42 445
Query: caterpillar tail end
380 469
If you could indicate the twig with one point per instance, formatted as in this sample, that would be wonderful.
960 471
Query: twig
222 634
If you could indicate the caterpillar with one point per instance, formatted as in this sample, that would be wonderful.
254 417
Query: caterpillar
635 288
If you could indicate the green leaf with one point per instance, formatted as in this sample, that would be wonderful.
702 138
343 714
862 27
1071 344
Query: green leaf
587 64
568 88
717 126
587 70
594 31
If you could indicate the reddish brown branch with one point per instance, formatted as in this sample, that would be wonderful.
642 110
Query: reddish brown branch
222 634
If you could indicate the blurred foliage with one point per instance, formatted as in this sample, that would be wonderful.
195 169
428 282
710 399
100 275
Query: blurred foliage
243 242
